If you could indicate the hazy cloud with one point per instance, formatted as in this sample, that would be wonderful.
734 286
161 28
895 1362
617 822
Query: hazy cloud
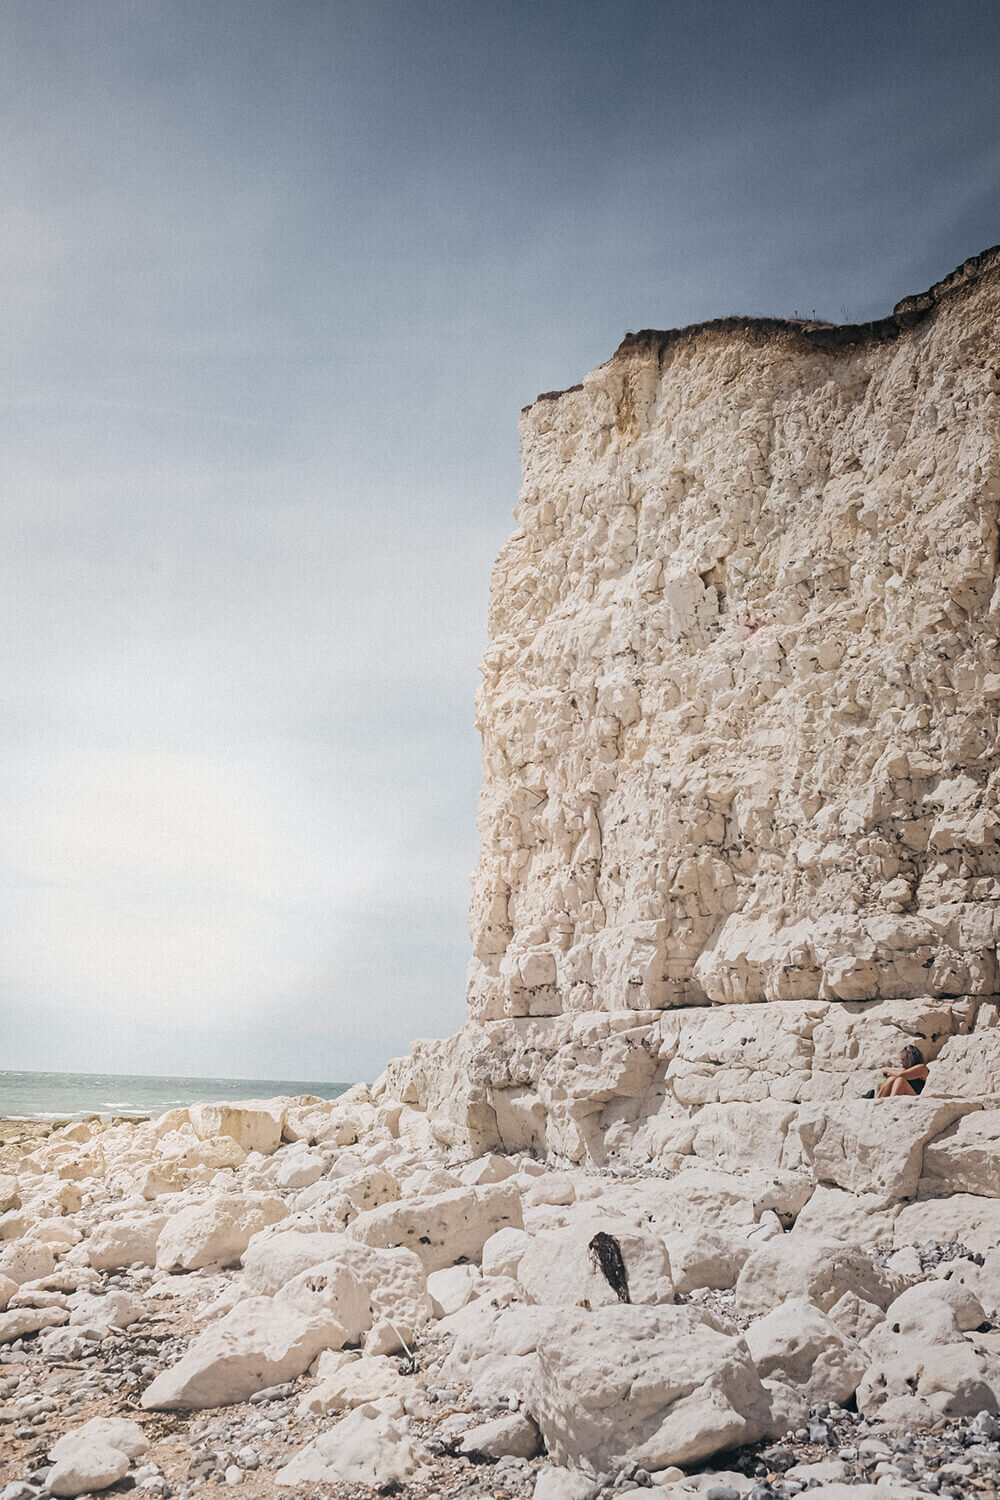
278 278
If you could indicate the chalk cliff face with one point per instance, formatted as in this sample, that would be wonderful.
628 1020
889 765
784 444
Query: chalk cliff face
739 818
739 705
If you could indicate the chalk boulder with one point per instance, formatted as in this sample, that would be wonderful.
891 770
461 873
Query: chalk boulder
259 1343
125 1241
217 1232
444 1228
368 1446
804 1348
252 1127
664 1386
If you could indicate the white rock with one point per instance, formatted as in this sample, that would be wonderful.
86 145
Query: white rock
855 1317
514 1435
452 1288
820 1271
495 1352
911 1311
554 1187
298 1169
217 1232
879 1491
355 1383
336 1199
259 1343
271 1260
385 1336
367 1447
965 1157
826 1470
953 1378
559 1268
486 1169
966 1217
708 1257
116 1243
26 1260
444 1228
254 1128
217 1154
502 1252
116 1432
24 1320
801 1346
873 1145
157 1178
67 1344
967 1066
860 1218
358 1286
93 1465
57 1233
563 1484
8 1288
10 1196
113 1310
664 1386
789 1409
983 1281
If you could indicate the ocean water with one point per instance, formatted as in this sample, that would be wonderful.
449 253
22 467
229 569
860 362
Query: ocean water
67 1096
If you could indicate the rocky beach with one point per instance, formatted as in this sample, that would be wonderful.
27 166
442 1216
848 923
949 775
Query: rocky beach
319 1298
635 1226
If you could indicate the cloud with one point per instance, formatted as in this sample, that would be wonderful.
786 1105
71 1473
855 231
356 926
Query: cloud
277 280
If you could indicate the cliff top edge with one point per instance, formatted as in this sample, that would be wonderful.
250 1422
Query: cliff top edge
907 313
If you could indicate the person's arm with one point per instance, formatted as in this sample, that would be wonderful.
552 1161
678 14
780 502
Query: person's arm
919 1071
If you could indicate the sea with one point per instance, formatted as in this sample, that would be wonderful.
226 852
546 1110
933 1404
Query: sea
71 1096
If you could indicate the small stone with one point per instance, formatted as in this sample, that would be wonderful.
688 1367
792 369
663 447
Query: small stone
272 1393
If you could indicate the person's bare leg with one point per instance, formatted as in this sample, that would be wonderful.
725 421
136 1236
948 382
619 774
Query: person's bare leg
901 1086
885 1089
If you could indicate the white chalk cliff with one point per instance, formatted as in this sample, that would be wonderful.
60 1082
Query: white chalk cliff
739 711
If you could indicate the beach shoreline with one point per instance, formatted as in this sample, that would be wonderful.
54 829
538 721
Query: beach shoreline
56 1098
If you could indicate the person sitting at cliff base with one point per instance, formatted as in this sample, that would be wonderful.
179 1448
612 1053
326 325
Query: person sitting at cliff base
904 1082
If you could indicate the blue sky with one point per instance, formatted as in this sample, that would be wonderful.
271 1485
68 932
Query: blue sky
277 278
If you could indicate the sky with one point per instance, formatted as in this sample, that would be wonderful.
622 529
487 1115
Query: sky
277 277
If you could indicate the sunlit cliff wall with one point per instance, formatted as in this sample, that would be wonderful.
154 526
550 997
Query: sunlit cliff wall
740 701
